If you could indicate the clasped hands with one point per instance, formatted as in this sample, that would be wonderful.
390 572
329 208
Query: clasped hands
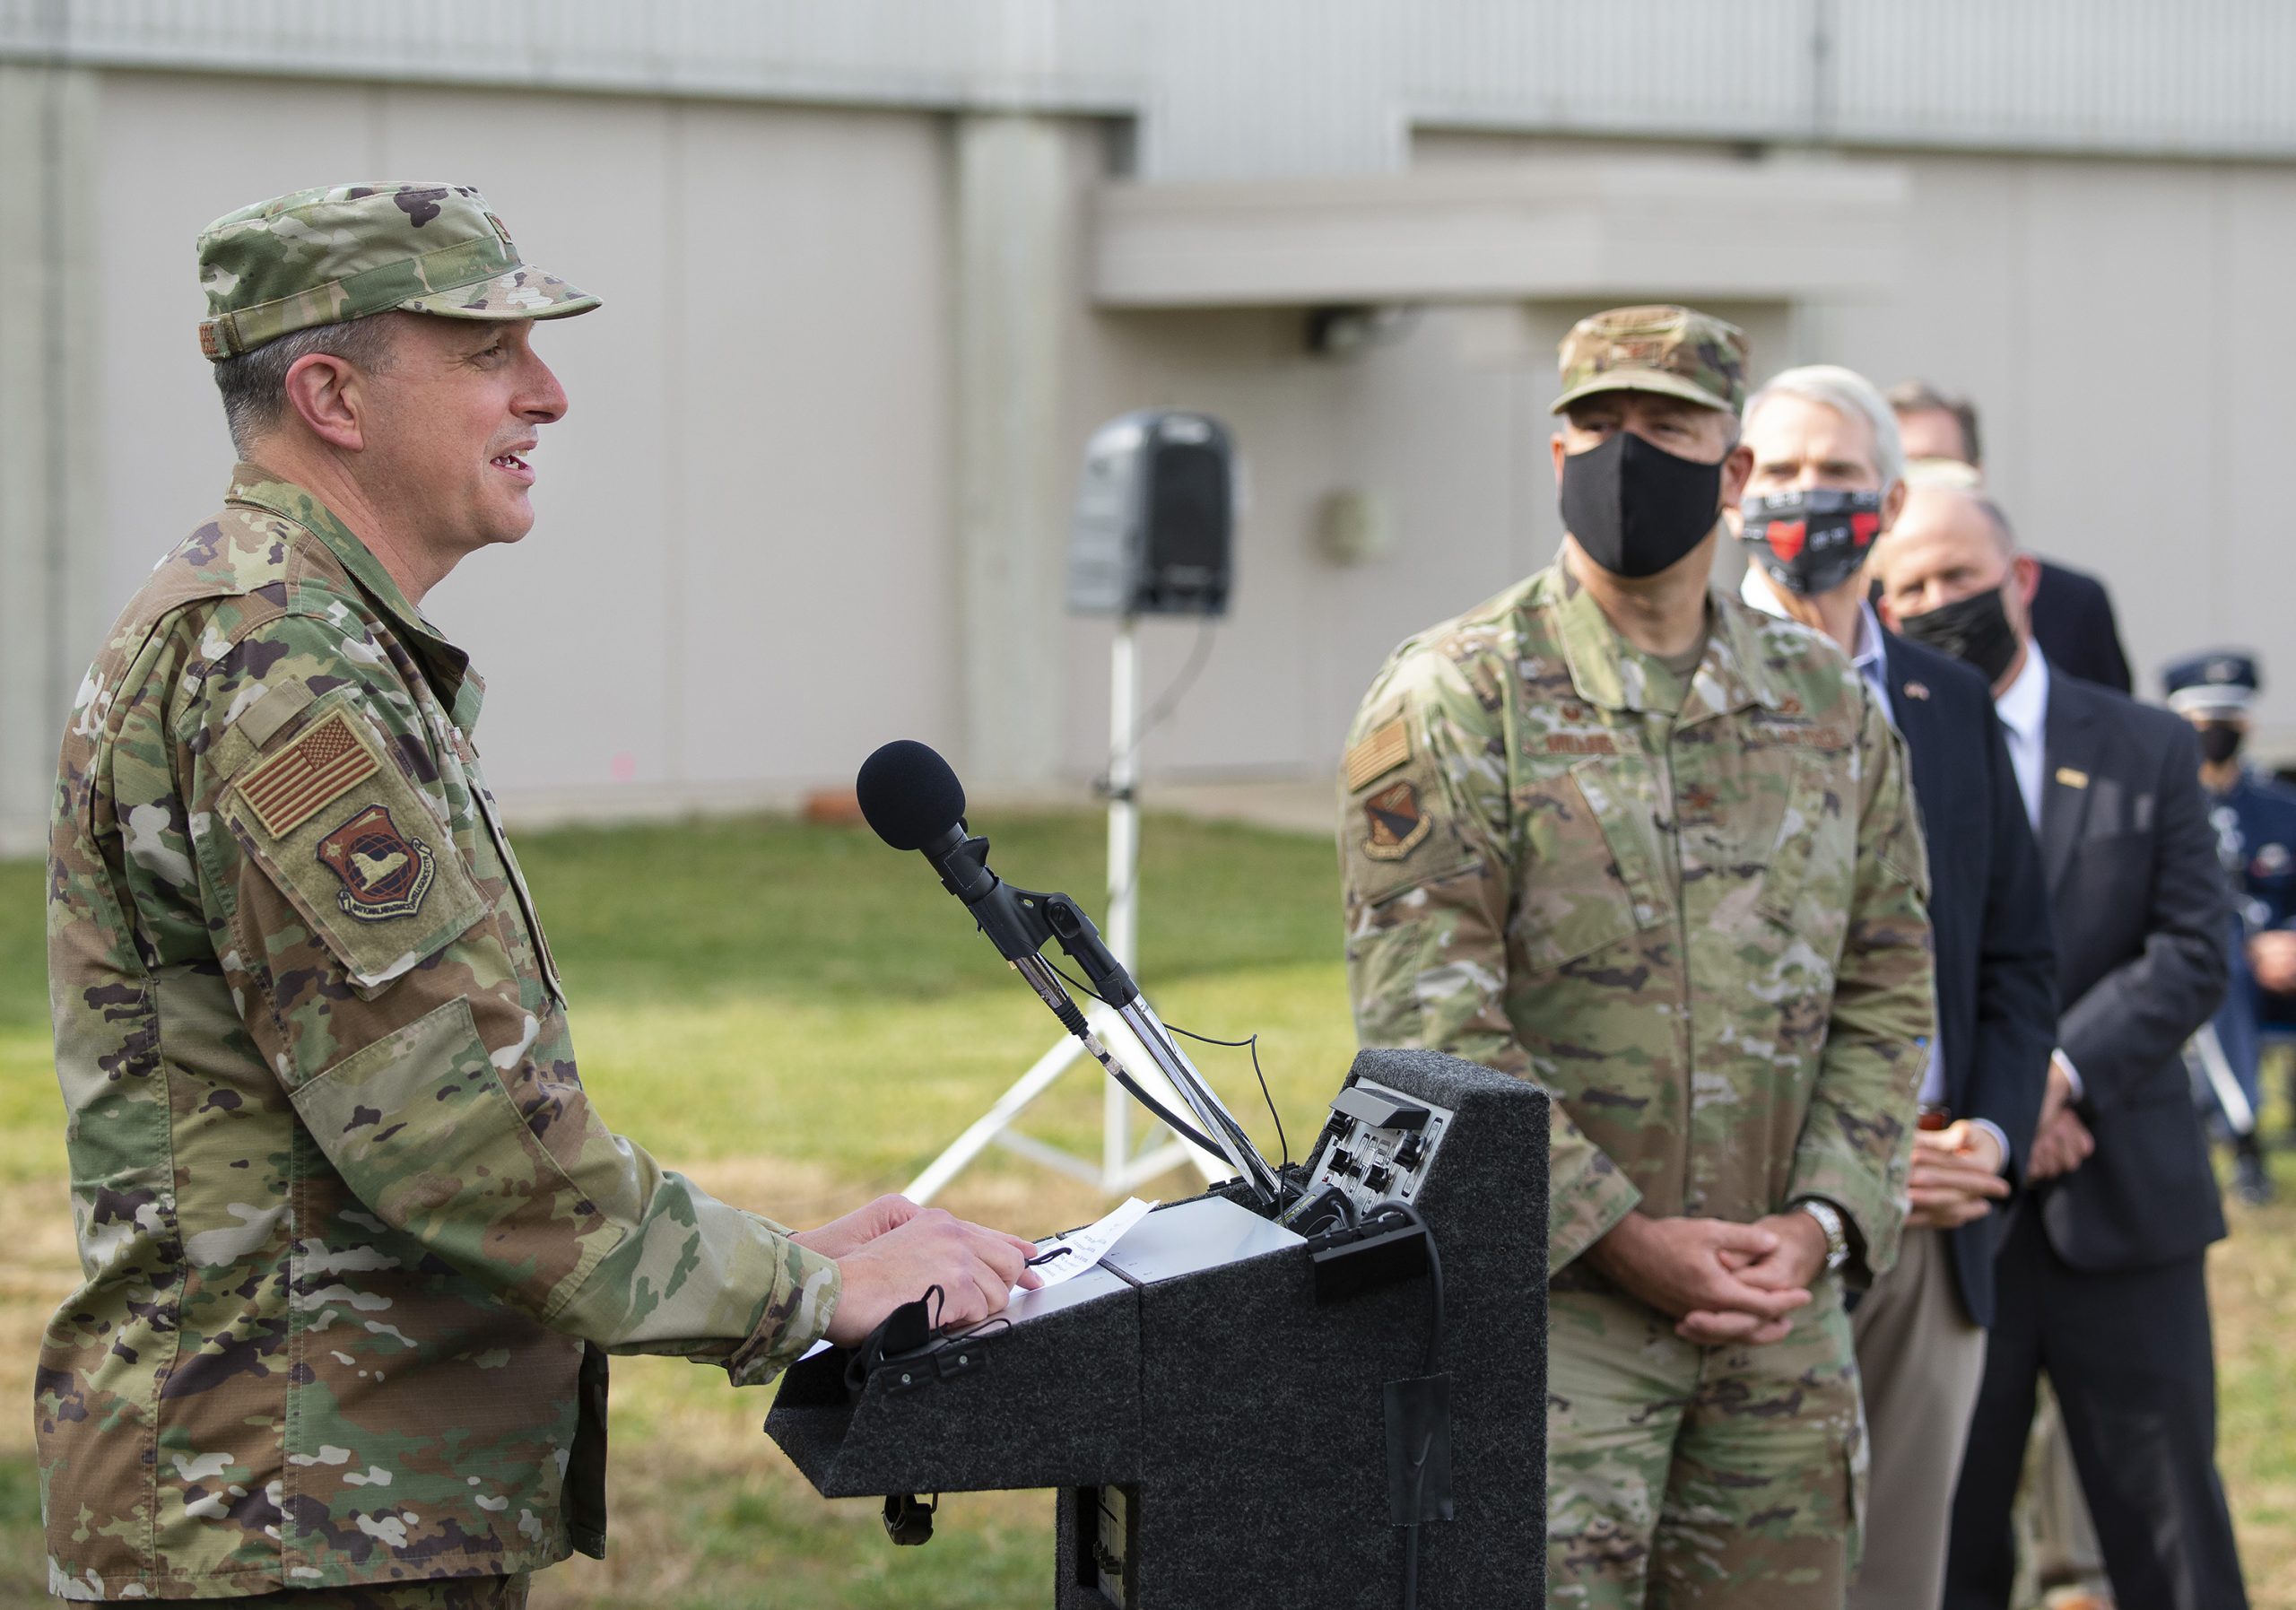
1721 1282
892 1251
2061 1141
1955 1177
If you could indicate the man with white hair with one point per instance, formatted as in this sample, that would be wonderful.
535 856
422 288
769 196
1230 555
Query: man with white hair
1828 480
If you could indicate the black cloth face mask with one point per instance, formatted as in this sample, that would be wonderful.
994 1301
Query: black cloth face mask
1635 508
2219 741
1974 629
1812 539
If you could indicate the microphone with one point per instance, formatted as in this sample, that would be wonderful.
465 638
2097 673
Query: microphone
909 794
911 798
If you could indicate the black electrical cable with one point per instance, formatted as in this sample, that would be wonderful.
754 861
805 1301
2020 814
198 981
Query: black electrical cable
1252 1044
1396 1207
1283 1141
1073 1020
1160 708
1393 1205
1327 1209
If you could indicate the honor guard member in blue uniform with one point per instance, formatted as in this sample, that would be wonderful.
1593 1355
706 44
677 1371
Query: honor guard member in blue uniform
2254 817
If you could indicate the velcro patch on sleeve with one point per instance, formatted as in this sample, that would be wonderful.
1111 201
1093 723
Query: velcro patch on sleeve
1388 748
362 853
320 765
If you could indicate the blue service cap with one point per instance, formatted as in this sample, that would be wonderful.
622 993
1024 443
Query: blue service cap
2222 679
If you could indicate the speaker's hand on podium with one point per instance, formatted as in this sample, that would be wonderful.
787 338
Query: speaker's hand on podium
856 1229
892 1251
1715 1278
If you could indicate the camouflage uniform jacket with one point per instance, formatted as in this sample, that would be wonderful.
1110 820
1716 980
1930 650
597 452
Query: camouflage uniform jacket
1701 928
354 1240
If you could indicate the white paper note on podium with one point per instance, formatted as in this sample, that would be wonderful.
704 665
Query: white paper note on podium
1085 1248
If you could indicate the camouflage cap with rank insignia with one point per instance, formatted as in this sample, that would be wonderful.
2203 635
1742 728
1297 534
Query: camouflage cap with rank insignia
1676 352
327 256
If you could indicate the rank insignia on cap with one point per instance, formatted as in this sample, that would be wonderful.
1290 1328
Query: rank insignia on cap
1397 825
2071 778
318 765
385 873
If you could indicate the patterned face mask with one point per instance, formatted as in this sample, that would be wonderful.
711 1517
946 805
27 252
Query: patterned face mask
1811 540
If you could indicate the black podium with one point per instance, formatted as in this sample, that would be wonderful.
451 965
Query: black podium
1211 1403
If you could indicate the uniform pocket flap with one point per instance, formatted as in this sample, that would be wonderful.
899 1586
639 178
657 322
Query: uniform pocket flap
1589 884
353 846
420 1124
1811 855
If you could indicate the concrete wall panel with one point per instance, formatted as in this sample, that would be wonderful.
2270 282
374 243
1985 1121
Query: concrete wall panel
740 566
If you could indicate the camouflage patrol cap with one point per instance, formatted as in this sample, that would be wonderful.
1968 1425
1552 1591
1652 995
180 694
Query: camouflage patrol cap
1676 352
323 257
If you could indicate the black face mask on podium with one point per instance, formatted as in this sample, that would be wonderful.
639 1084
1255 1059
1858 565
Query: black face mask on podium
1635 509
1974 629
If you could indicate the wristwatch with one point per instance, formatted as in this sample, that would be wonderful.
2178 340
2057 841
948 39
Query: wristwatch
1828 1218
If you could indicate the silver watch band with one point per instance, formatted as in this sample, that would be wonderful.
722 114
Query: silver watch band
1829 1221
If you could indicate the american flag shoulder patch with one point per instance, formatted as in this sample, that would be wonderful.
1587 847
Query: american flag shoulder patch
1388 748
323 761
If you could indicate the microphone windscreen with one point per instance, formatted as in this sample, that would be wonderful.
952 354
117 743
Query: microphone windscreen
909 794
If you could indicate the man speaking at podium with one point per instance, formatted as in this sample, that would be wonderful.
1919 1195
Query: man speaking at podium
355 1243
1615 833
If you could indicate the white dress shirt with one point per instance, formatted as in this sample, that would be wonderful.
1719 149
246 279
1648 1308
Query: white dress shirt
2024 709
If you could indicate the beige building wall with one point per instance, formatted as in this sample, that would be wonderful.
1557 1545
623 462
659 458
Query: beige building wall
746 571
741 562
2111 317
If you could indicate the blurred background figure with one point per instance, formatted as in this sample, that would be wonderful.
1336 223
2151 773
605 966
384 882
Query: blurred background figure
2254 817
2072 615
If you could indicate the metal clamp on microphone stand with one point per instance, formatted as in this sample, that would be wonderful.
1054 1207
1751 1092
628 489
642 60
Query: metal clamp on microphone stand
1020 922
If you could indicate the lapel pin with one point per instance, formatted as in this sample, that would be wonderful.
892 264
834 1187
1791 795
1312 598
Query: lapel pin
2071 778
1917 689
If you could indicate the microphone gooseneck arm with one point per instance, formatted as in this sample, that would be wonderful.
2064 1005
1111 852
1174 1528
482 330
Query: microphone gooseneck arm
1020 922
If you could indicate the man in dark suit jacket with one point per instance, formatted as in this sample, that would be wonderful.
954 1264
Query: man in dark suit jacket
1825 483
2100 1276
2072 614
2073 623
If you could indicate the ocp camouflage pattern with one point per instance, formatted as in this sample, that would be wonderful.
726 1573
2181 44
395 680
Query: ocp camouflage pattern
354 1241
1686 1474
1677 350
1700 928
347 251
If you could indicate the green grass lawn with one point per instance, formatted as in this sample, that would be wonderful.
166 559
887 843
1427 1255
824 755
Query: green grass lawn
801 1018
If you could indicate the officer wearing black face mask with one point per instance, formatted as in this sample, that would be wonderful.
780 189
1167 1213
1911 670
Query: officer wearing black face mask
1613 831
2254 817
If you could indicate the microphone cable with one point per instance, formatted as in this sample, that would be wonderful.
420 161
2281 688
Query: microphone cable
1160 710
1252 1045
1390 1208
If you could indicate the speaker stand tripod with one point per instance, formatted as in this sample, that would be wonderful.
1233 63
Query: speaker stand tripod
1122 1164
